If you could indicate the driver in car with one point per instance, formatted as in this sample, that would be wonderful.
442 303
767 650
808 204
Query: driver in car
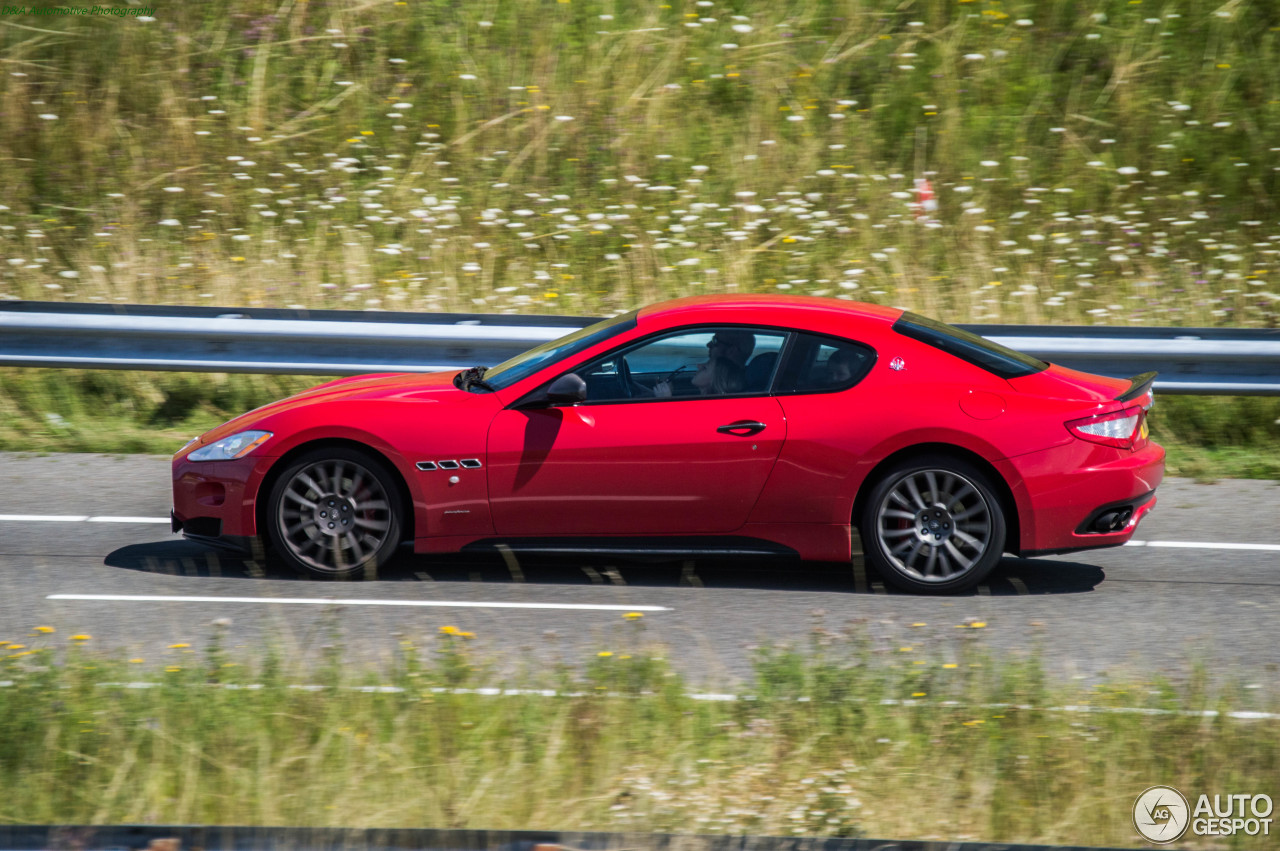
733 344
717 376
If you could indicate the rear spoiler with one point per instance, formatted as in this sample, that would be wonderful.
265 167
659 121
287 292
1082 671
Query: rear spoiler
1139 385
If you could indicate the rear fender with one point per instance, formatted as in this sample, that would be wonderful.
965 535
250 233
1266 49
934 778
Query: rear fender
1003 475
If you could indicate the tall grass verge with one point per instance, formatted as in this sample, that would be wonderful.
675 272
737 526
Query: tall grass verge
1101 161
839 738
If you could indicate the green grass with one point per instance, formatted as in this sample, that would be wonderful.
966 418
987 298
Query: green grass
1219 437
1101 161
128 412
842 738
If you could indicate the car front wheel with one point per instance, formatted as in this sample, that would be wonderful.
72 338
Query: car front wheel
933 525
335 514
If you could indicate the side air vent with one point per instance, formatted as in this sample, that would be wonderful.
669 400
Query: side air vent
471 463
449 465
426 465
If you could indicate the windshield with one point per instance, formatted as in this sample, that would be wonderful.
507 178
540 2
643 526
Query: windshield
979 351
526 363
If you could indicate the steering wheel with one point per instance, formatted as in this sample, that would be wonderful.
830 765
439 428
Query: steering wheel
624 375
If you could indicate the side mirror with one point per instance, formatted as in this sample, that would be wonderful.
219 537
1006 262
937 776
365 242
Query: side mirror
567 389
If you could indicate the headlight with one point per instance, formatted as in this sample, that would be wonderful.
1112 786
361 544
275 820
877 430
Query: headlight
230 448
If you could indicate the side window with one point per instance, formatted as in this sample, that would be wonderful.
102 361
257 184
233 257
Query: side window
824 365
691 363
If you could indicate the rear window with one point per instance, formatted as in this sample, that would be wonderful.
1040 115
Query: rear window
824 365
979 351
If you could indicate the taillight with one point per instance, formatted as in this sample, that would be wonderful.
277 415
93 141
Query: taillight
1120 429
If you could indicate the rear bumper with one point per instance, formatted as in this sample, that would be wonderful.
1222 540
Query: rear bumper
1100 540
1064 493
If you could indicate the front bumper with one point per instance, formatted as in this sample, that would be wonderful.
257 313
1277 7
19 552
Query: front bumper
1063 492
215 500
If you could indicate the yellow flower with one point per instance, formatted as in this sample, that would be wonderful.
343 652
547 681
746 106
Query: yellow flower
179 646
977 624
135 661
633 616
80 637
918 694
605 653
45 629
951 665
449 630
173 669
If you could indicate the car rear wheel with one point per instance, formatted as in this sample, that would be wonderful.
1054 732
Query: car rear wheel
335 514
933 525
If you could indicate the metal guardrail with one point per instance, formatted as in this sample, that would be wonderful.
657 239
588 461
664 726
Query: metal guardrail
1206 361
220 838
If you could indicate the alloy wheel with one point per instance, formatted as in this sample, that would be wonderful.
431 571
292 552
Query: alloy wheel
934 526
333 516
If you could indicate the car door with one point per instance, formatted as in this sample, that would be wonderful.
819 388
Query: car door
832 417
628 461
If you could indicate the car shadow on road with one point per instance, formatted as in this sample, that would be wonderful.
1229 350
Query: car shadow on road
1013 576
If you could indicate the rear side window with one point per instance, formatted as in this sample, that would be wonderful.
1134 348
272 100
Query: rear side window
979 351
824 365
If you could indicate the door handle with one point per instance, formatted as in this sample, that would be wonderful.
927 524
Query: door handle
742 428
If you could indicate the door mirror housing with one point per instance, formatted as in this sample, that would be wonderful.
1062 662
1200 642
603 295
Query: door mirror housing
568 389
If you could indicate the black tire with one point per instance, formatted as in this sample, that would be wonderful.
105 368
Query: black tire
335 513
933 525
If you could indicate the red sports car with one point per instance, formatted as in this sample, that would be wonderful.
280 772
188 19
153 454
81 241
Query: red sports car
711 425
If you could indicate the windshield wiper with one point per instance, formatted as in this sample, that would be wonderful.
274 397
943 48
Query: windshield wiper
472 377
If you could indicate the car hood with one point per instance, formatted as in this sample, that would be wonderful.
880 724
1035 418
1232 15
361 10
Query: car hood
383 385
432 387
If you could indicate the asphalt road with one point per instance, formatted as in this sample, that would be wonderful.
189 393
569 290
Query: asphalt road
1126 613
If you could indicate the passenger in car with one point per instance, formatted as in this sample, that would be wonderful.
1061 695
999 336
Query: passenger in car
839 367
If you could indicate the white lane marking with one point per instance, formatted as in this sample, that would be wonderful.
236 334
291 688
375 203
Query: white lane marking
128 519
85 518
1239 715
77 518
330 601
44 518
1204 545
